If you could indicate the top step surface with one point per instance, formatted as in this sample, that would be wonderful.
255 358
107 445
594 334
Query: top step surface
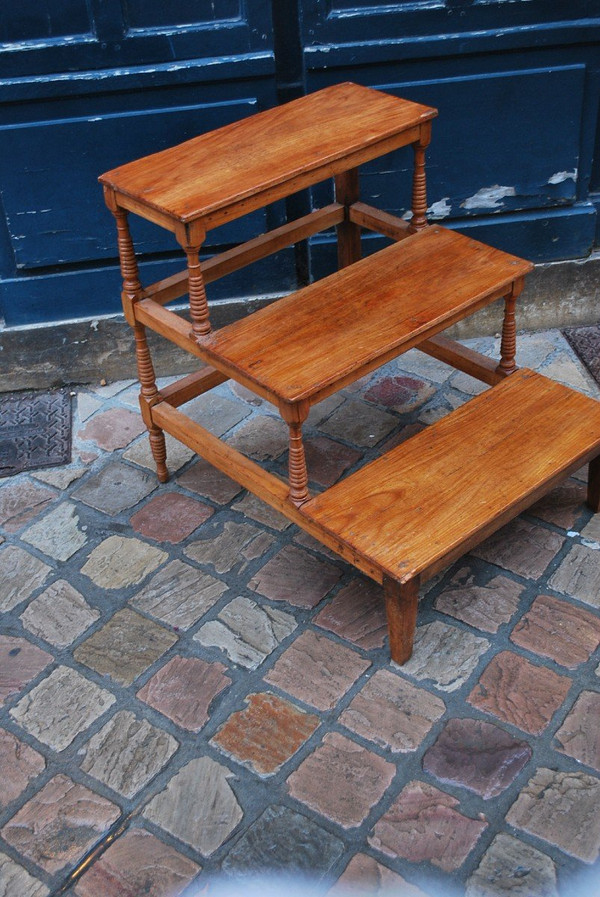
425 503
344 325
243 160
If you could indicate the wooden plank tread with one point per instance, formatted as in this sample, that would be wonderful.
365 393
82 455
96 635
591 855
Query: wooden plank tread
422 505
337 329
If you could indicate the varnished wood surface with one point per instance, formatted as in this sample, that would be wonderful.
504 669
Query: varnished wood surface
444 490
249 157
344 325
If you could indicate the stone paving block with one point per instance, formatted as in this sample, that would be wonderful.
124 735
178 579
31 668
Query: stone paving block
19 764
519 692
127 753
138 863
179 595
198 806
261 438
20 662
184 690
217 413
423 824
241 392
178 454
59 533
563 506
20 502
60 707
357 613
112 429
401 393
591 531
115 487
246 632
59 615
561 808
327 460
366 877
60 824
477 755
266 733
120 561
422 365
445 654
341 780
392 712
20 574
295 576
17 882
282 841
579 575
467 384
253 507
553 628
60 477
359 423
125 646
579 736
321 411
170 517
511 867
485 607
522 547
87 405
317 670
207 480
567 371
238 542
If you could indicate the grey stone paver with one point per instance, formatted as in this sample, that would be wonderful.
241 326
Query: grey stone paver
182 705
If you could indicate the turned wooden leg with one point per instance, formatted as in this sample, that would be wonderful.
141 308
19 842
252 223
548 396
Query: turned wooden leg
593 490
197 293
401 600
348 233
294 416
508 345
149 396
419 186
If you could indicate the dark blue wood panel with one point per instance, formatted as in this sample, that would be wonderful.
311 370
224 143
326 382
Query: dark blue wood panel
44 19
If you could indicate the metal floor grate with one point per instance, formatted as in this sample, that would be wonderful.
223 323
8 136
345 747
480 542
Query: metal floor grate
35 430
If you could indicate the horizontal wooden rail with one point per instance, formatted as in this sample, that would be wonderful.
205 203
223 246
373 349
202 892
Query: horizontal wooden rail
193 385
174 287
463 359
382 222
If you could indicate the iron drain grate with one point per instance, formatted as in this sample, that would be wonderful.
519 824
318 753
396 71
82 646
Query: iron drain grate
35 430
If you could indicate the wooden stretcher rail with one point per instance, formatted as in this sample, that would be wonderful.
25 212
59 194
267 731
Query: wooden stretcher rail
463 359
193 385
382 222
174 287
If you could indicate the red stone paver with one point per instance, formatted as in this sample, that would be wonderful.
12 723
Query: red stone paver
519 692
366 877
392 712
327 460
113 429
423 824
295 576
579 735
21 502
357 613
521 547
403 394
60 824
564 632
19 764
170 517
317 670
341 780
266 733
20 662
486 607
563 506
206 480
137 863
184 690
477 755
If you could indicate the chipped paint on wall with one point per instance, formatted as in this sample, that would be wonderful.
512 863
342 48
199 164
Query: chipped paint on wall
560 176
440 209
488 197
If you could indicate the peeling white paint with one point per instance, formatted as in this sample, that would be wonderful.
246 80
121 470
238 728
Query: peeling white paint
488 197
562 176
440 209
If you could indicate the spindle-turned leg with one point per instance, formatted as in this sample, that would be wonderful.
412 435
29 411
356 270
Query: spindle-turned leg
419 186
295 415
191 240
401 600
347 191
508 345
132 293
593 490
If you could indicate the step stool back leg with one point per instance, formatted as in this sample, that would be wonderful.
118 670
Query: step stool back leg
401 600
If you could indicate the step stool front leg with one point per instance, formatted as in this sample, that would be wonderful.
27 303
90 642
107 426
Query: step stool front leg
294 415
401 600
508 346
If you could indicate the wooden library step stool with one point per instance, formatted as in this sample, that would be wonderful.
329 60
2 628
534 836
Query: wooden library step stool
411 512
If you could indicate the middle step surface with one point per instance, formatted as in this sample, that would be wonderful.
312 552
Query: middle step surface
330 333
426 502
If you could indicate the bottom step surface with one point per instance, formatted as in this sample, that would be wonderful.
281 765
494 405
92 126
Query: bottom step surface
422 505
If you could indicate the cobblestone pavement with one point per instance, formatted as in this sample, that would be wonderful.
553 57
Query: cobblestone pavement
192 688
